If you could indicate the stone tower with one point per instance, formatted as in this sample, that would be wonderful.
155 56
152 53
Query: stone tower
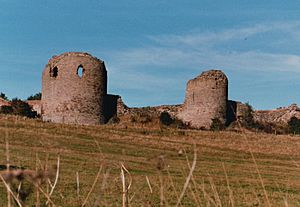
206 99
74 86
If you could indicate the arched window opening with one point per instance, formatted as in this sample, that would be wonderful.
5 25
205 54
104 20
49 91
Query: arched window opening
54 72
80 71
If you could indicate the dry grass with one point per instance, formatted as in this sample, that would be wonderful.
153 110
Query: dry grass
223 175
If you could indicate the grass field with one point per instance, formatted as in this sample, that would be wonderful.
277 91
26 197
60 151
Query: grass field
158 162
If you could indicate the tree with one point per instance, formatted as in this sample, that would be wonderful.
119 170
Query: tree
294 125
3 96
37 96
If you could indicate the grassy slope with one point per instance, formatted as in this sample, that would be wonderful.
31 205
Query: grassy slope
278 159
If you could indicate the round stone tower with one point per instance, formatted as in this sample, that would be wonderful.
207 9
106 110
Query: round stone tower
74 86
206 99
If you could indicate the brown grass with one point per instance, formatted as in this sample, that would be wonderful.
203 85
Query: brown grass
223 175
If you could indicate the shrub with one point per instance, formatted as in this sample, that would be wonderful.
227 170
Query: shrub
179 124
294 125
217 125
245 117
141 117
145 118
6 110
114 120
248 116
20 108
37 96
3 96
165 118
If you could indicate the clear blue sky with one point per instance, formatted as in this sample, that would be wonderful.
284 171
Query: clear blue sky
152 48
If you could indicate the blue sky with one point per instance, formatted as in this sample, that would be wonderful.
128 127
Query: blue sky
152 48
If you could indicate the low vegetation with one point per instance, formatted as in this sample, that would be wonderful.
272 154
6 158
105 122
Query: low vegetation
294 125
18 107
217 125
3 96
37 96
143 165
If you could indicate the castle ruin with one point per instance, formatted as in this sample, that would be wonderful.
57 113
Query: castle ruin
74 86
206 99
74 90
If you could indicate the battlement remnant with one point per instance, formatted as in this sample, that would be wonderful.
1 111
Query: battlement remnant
74 86
206 99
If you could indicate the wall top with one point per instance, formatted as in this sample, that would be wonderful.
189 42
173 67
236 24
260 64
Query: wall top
217 75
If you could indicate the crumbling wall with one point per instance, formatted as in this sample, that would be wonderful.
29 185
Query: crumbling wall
206 99
277 116
73 89
231 112
110 106
237 111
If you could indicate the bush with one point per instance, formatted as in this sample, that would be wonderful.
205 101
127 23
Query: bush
217 125
6 110
294 125
20 108
245 117
165 119
3 96
145 118
248 117
37 96
179 124
141 117
114 120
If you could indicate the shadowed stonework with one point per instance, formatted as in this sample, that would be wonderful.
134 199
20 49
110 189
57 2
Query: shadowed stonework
74 86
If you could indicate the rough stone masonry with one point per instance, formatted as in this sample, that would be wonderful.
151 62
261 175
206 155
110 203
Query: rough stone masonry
206 99
74 90
74 86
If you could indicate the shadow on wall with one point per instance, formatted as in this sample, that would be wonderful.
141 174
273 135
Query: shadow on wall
110 106
231 113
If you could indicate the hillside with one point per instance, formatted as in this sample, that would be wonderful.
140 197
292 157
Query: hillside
225 174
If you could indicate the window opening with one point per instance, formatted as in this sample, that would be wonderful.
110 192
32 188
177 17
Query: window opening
80 71
54 72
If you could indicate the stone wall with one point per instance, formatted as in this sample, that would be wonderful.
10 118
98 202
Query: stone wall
206 99
237 111
277 116
73 89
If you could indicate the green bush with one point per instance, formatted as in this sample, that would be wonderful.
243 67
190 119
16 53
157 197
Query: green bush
217 125
294 125
3 96
6 110
19 107
37 96
165 119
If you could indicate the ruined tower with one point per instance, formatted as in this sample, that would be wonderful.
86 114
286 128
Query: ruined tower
206 99
74 86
